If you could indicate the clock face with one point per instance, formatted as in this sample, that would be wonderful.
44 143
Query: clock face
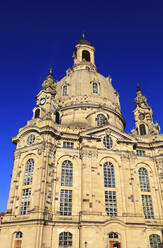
141 116
42 101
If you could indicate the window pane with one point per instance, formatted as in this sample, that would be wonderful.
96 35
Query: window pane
144 180
68 144
113 235
64 90
109 177
110 203
154 241
66 202
95 88
25 203
140 153
28 176
65 239
147 206
108 142
101 120
142 129
67 173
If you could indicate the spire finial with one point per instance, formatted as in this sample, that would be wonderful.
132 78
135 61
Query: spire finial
83 36
138 87
50 71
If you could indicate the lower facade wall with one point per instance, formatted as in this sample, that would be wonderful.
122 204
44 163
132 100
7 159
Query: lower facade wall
84 236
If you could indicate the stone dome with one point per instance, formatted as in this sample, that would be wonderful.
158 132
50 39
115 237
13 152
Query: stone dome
84 94
79 95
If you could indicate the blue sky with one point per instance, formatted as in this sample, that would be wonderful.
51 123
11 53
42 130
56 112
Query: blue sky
35 35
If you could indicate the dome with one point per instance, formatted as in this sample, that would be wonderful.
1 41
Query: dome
84 93
83 41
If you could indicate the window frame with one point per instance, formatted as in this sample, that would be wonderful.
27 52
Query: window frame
64 90
108 141
155 242
142 129
65 242
68 144
67 173
109 175
111 203
25 201
65 202
144 180
147 206
140 153
28 173
101 120
95 88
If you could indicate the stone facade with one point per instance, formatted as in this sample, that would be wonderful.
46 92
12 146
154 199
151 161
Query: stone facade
78 179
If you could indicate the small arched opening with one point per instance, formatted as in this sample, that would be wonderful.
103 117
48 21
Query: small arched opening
142 129
86 55
57 119
64 93
37 113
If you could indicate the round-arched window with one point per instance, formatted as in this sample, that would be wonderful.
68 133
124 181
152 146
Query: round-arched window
108 142
101 120
29 168
37 113
67 173
109 175
86 55
154 240
142 129
144 180
65 239
30 139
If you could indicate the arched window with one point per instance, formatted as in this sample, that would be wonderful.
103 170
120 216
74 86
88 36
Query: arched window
109 177
101 120
19 235
65 239
37 113
154 240
86 55
67 173
142 129
64 90
144 180
28 176
95 88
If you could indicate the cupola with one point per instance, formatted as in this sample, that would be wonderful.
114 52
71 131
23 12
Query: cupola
84 55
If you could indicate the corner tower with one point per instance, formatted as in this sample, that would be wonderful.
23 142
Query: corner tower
143 116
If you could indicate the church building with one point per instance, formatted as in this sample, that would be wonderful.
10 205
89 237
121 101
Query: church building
79 180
